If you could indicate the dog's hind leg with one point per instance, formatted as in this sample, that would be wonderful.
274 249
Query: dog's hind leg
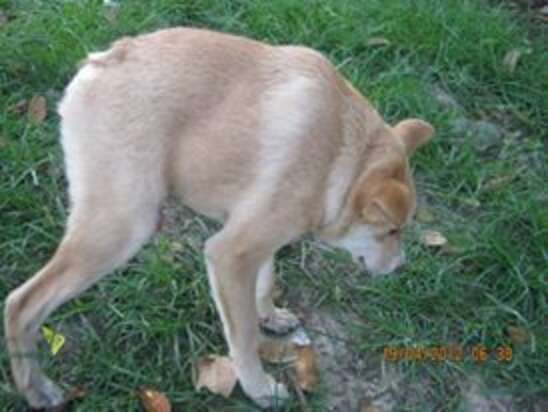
97 241
272 319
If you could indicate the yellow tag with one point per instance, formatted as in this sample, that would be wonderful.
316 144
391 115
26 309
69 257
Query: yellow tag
54 340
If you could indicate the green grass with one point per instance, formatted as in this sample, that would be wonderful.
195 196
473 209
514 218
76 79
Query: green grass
149 322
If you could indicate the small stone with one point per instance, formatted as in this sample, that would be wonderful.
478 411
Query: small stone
483 134
486 134
462 125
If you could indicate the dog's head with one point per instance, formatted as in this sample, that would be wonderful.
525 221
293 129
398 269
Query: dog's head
382 201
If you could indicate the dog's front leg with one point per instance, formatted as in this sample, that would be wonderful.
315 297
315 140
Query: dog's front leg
272 319
233 266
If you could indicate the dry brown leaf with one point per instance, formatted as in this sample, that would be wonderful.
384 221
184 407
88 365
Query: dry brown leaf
306 368
432 238
277 350
370 408
76 393
217 374
378 41
518 335
37 110
366 405
154 401
424 215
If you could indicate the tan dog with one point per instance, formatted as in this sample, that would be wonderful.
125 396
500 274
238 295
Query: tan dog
269 140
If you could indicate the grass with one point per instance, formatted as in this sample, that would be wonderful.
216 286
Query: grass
149 322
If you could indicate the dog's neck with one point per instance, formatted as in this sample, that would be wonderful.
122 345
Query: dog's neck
363 135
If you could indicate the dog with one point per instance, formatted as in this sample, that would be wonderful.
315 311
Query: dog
269 140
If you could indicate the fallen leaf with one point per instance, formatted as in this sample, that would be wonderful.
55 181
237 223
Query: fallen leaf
55 340
217 374
517 335
378 41
306 368
37 110
370 408
432 238
76 393
424 215
277 350
154 401
511 59
366 405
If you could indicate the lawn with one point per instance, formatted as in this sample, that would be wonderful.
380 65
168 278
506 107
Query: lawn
477 70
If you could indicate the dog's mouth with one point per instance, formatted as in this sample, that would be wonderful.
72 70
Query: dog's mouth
364 269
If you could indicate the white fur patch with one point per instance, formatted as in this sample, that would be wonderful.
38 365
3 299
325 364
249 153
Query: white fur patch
286 114
360 241
265 280
82 79
87 73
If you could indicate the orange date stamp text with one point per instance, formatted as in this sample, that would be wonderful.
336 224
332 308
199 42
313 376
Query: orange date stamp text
453 353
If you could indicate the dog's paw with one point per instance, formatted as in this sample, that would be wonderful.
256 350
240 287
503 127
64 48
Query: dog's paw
43 394
271 395
282 322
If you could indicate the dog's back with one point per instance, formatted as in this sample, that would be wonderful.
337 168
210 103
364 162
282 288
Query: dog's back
185 109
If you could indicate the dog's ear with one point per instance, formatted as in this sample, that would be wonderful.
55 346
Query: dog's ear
389 203
382 200
413 133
